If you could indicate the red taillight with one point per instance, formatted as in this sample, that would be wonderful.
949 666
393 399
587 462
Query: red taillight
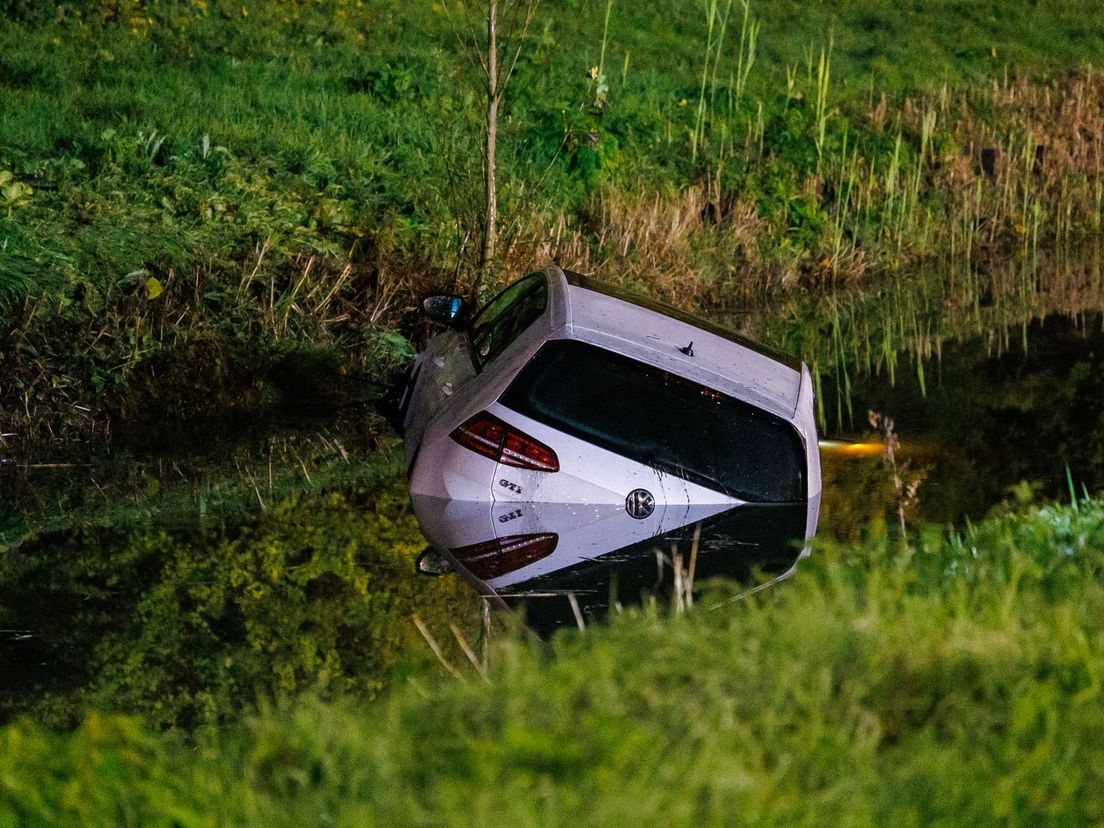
487 435
502 556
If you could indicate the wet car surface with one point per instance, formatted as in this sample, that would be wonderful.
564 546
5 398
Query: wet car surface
567 423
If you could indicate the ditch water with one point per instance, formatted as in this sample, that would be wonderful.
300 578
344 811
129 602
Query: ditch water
986 427
994 382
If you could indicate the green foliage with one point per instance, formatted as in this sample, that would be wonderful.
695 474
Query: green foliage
318 596
187 626
201 202
956 681
249 157
13 193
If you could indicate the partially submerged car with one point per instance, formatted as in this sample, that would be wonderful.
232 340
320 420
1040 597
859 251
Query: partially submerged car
566 390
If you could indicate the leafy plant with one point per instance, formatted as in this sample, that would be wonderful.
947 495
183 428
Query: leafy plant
13 193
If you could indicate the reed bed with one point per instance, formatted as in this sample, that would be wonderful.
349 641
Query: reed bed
998 172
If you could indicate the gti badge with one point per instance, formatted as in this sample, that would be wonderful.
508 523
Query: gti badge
640 504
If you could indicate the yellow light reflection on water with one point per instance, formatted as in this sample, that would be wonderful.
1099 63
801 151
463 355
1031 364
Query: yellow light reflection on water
842 448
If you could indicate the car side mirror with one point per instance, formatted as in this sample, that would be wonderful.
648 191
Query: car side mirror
444 308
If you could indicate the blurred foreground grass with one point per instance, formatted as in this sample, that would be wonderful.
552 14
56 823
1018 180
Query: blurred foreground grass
958 681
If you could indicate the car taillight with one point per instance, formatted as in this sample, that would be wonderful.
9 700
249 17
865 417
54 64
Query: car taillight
487 435
495 558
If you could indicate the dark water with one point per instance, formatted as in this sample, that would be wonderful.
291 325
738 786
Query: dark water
986 418
985 428
994 386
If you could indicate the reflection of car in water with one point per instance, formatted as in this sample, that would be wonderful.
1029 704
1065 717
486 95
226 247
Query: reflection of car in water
598 554
565 391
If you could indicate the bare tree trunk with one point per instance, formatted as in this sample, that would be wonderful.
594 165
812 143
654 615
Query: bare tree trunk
518 15
490 216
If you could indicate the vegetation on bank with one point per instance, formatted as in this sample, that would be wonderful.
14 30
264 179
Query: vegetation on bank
195 196
956 679
230 207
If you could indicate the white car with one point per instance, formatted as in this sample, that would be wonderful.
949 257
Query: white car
564 390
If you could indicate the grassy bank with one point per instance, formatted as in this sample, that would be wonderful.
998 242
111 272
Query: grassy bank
198 195
957 680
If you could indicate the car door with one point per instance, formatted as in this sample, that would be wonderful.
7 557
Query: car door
455 357
441 369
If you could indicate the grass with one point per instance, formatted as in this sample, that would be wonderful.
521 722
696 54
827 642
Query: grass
213 207
193 184
955 679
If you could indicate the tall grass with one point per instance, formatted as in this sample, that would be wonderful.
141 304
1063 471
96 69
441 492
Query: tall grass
955 681
745 56
716 22
823 81
308 190
880 193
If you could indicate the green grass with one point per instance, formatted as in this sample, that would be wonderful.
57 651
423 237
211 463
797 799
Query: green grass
957 680
909 46
298 173
200 200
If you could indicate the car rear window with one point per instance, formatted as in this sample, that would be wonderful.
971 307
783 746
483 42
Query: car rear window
661 419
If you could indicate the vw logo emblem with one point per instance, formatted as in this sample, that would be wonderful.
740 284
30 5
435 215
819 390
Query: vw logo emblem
640 504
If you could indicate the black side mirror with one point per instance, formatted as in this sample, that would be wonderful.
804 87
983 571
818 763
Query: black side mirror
443 308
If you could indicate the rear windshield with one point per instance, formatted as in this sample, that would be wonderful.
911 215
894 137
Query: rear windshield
649 415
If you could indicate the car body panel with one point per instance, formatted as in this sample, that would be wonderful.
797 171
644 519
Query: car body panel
588 474
442 369
585 531
602 558
449 388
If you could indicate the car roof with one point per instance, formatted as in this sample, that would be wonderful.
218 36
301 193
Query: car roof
655 333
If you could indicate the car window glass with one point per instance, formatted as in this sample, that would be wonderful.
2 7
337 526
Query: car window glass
666 421
506 316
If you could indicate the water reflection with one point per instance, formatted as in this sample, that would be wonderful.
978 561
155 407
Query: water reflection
569 563
899 325
993 371
986 425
